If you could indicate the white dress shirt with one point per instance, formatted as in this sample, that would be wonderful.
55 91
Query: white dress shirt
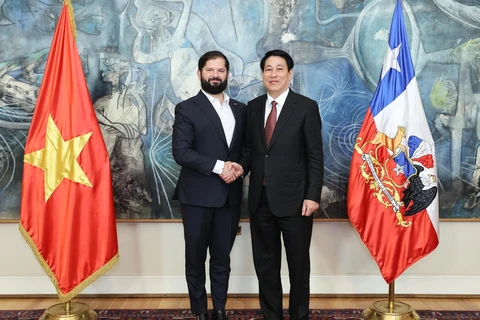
280 102
227 119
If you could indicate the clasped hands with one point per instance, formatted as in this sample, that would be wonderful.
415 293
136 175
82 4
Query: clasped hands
231 171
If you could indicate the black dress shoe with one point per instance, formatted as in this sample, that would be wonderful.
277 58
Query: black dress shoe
203 316
219 315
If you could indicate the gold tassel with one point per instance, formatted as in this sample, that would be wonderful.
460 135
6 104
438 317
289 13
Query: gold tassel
82 285
72 18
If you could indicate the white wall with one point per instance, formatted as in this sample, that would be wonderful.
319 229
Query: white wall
151 262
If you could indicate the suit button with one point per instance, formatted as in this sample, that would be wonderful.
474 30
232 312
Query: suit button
266 156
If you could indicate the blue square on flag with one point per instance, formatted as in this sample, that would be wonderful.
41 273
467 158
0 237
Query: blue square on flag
403 166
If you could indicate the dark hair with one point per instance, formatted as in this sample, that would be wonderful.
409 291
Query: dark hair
277 53
210 55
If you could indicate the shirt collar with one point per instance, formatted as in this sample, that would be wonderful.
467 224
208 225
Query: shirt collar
226 98
280 99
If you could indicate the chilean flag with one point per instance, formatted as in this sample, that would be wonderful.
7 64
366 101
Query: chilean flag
392 195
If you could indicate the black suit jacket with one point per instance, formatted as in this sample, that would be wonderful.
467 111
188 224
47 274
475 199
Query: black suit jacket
293 163
198 141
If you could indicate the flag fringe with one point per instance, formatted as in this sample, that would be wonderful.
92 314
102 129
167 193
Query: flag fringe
68 3
85 283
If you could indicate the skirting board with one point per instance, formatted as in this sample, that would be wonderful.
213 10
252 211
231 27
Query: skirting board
406 284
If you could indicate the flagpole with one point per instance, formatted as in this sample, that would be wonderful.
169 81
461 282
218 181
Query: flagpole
69 311
391 296
390 309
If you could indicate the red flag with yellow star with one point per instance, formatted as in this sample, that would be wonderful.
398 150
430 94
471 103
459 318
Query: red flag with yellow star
67 214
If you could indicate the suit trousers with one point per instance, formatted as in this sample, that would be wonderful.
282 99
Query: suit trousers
266 230
214 229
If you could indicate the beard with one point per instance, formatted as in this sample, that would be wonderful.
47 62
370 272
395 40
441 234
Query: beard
214 88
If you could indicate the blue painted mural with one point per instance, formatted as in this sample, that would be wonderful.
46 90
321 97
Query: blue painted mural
140 59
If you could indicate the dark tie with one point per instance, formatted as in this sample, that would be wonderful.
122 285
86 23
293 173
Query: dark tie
271 122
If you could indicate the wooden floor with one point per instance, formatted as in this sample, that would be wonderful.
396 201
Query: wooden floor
451 303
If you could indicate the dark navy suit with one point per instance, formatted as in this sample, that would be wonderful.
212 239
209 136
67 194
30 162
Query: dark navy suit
210 207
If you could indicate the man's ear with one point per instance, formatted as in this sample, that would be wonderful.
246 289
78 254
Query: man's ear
199 74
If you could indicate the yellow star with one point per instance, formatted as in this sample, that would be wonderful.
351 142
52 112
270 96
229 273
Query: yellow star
58 159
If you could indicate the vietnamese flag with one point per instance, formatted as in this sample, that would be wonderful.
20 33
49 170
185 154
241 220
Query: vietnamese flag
392 196
67 215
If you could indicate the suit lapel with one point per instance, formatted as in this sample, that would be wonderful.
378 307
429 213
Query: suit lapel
236 115
204 104
287 111
260 119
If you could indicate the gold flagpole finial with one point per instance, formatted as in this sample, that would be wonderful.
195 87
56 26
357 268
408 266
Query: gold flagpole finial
72 17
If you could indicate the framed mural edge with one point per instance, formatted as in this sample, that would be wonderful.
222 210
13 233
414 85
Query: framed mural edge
315 220
140 59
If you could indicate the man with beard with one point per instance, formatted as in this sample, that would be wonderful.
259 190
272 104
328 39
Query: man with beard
209 133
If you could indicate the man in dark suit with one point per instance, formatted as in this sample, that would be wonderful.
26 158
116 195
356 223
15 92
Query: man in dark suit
284 155
209 131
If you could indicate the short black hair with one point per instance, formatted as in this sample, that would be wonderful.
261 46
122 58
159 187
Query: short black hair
210 55
277 53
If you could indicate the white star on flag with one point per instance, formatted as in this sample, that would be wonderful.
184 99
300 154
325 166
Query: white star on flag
399 169
390 61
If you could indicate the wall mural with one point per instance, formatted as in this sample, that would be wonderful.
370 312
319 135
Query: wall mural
140 59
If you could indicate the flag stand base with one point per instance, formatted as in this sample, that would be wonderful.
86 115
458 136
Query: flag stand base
78 310
380 310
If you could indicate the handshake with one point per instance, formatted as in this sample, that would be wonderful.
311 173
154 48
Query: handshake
231 171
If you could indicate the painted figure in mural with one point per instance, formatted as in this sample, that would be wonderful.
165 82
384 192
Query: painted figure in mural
459 112
181 36
208 132
18 95
467 15
284 155
289 28
19 83
122 118
288 24
155 40
21 90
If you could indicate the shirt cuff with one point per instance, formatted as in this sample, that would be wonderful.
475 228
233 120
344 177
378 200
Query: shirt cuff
218 169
